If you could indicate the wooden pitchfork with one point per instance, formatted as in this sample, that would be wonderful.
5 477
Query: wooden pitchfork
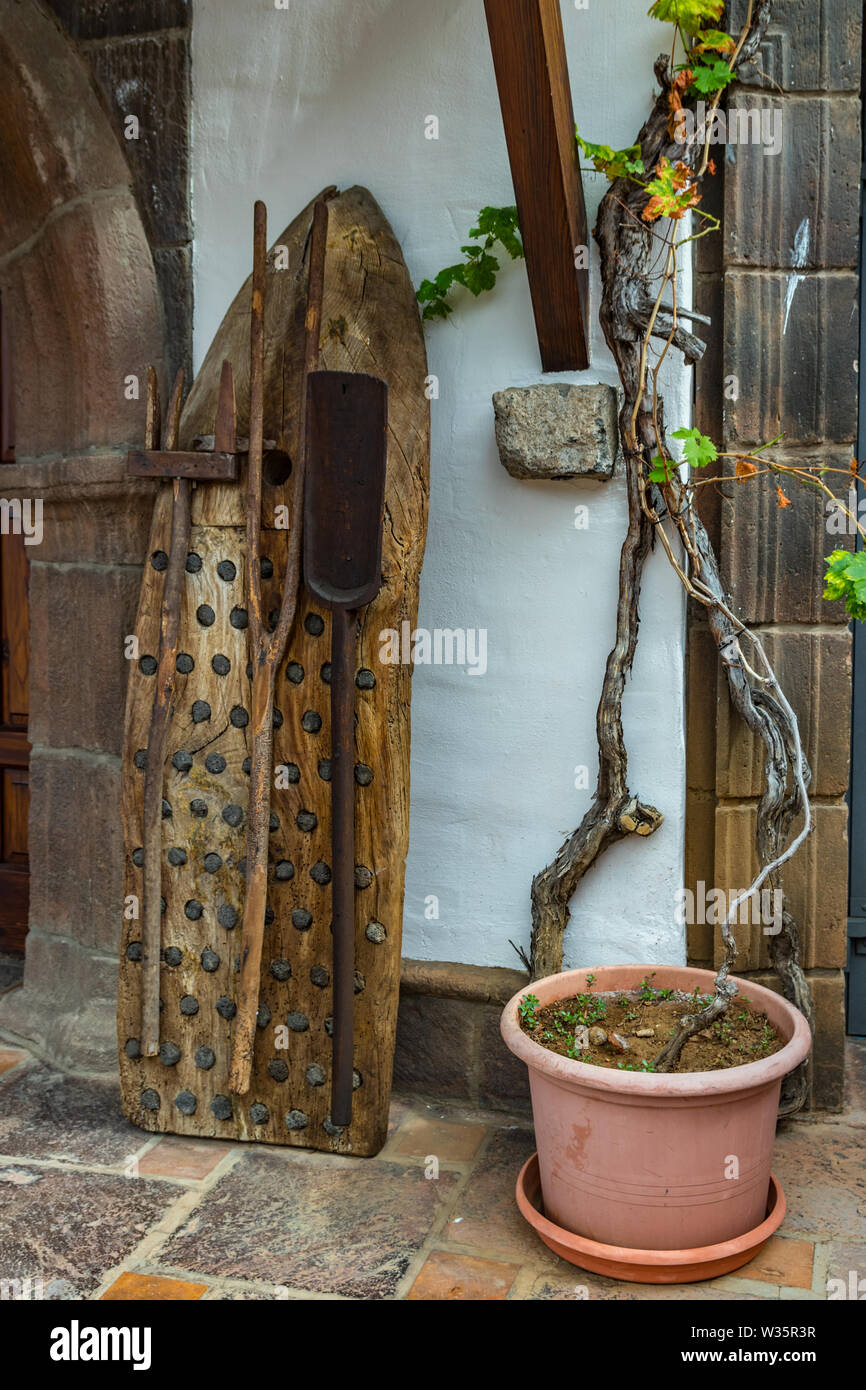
184 469
268 649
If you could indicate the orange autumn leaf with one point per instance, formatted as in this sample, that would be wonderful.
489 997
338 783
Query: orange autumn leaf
711 165
745 468
854 466
781 500
680 84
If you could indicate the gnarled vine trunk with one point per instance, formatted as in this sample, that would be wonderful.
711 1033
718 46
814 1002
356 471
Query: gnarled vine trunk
629 314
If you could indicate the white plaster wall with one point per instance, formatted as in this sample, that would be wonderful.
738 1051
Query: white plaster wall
337 91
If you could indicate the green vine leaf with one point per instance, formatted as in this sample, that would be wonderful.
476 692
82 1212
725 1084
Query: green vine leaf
698 449
690 15
846 579
478 271
708 78
616 164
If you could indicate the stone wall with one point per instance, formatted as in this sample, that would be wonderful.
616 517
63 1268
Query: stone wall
138 55
78 279
781 286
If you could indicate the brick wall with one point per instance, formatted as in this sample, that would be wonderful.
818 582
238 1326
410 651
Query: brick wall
781 285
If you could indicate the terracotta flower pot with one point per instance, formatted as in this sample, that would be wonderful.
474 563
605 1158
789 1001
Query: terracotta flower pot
654 1162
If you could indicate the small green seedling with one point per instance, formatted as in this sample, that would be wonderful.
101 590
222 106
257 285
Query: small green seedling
526 1008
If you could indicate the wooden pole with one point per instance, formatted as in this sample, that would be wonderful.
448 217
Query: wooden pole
528 49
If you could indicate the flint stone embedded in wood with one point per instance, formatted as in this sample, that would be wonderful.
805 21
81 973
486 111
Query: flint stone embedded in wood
557 431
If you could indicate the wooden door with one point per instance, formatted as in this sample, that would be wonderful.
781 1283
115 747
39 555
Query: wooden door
14 663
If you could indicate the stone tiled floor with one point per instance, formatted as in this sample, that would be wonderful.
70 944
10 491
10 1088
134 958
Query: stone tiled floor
96 1209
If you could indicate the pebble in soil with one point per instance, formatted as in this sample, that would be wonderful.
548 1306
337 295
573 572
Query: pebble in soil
629 1029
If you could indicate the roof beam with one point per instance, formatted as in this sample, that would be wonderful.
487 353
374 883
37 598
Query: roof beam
528 49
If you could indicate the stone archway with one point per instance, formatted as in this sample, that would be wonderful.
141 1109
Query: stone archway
78 283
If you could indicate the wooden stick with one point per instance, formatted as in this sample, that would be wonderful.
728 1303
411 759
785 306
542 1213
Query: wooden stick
153 781
267 653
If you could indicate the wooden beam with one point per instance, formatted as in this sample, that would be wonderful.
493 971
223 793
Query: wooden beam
532 76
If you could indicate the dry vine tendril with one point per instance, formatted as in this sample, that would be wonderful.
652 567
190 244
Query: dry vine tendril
653 185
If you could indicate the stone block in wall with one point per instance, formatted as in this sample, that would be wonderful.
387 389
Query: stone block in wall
807 189
699 868
43 168
815 881
557 431
828 1053
67 1005
103 19
503 1078
773 557
810 45
437 1046
173 265
702 665
85 316
791 378
77 845
827 1064
149 78
79 617
92 510
814 670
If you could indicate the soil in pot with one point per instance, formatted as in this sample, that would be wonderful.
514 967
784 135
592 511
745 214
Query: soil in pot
628 1030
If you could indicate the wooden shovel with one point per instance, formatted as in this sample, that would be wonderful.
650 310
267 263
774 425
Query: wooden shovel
346 417
267 649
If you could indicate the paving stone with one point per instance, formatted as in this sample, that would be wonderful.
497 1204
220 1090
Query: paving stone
420 1135
10 1057
154 1288
240 1293
821 1169
808 192
557 431
462 1278
174 1157
486 1216
68 1228
579 1286
809 45
45 1114
846 1264
806 388
782 1261
312 1222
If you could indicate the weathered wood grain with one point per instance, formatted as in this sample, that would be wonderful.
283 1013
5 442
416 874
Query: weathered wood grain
370 323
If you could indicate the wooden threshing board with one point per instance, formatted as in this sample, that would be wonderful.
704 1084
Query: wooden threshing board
370 323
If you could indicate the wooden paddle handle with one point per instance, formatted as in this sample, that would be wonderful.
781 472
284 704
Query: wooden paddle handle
343 632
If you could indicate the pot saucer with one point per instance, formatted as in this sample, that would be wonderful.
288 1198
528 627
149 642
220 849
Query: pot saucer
646 1266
